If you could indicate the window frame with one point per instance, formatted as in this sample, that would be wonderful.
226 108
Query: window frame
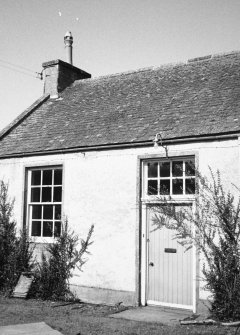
158 197
29 204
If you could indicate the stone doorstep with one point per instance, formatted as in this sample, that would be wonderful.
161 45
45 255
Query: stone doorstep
38 328
153 314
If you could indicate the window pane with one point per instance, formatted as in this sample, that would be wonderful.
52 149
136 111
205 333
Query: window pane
152 187
47 229
46 194
57 195
58 212
35 194
190 186
57 177
152 170
165 169
36 178
165 187
57 229
36 228
190 168
177 168
177 186
47 177
47 212
36 212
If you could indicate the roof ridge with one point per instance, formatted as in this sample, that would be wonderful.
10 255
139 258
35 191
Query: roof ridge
162 66
118 74
212 56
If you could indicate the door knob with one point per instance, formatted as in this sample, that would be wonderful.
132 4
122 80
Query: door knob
151 264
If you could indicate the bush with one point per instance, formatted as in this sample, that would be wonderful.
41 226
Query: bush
223 273
15 251
215 230
61 258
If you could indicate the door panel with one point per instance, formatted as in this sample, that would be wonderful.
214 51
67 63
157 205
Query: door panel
170 277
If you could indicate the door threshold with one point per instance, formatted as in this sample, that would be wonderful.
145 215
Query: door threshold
166 305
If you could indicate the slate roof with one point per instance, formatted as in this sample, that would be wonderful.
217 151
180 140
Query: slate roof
193 99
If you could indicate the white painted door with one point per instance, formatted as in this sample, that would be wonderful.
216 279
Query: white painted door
170 276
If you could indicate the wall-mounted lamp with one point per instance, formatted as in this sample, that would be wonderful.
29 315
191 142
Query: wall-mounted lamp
157 138
158 142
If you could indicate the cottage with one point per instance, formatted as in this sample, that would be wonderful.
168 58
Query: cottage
101 150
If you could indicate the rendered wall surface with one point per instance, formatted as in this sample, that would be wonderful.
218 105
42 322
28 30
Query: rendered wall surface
100 188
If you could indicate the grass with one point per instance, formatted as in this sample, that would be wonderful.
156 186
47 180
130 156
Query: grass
89 319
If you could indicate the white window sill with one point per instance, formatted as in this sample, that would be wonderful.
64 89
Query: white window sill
42 240
173 199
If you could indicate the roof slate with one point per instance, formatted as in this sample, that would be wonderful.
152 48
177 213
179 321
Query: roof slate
198 98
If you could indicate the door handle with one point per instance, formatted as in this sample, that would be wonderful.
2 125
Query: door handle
151 264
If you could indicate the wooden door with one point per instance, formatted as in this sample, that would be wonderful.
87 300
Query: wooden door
170 275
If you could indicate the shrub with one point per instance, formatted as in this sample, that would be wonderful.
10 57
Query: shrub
61 258
215 230
15 251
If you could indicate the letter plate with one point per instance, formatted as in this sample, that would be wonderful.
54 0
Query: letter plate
170 250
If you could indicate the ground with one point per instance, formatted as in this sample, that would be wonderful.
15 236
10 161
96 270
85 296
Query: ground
89 319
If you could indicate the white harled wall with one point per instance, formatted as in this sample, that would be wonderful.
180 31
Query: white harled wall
100 188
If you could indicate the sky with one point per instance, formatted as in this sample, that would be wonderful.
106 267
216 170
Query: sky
110 36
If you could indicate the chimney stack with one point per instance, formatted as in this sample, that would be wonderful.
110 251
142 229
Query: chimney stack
58 74
68 41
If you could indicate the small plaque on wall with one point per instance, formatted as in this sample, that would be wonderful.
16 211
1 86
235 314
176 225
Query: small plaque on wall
23 286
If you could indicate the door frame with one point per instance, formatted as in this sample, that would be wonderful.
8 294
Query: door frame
144 204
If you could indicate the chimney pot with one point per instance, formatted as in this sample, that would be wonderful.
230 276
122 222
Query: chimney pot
68 41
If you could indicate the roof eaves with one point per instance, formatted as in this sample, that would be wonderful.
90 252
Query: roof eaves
115 146
23 115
